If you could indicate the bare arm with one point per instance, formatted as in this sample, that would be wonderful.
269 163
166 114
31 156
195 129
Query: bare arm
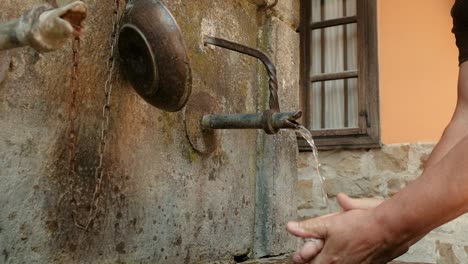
383 233
458 126
444 184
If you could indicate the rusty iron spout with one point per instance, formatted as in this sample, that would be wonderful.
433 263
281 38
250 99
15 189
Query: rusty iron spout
271 122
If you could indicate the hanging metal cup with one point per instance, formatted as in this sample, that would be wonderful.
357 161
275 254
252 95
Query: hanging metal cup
154 56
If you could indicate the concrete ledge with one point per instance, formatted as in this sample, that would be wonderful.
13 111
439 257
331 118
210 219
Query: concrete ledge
287 260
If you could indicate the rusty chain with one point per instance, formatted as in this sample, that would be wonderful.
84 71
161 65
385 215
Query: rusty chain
99 169
73 113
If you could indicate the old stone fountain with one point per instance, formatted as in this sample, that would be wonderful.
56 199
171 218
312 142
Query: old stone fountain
88 179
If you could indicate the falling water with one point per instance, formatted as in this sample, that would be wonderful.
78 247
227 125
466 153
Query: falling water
305 133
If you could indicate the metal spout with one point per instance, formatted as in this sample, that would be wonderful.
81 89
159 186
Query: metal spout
271 122
44 29
201 123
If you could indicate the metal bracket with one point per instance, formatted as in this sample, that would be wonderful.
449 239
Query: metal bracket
203 141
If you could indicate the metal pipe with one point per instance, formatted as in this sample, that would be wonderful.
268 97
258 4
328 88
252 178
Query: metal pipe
238 121
43 28
285 120
269 121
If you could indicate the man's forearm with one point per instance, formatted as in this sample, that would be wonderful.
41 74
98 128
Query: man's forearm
452 135
438 196
457 129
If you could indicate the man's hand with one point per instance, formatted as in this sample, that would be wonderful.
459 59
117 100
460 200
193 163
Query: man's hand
313 228
352 237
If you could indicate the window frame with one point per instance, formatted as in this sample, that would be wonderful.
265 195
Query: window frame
368 133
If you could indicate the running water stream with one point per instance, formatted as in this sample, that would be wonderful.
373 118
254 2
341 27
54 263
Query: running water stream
305 133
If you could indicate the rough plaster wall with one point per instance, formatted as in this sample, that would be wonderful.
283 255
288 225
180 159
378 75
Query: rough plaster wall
380 173
162 202
277 169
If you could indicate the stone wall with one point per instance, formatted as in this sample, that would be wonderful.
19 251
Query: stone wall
379 173
161 201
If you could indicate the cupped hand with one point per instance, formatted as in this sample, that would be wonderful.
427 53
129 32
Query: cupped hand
319 229
351 237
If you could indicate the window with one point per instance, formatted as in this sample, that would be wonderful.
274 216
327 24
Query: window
339 73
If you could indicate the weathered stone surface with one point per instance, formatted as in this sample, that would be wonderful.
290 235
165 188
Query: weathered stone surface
418 155
258 2
304 194
277 173
4 64
288 12
394 158
226 261
446 253
277 260
394 185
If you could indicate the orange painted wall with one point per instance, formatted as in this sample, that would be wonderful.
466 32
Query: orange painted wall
418 69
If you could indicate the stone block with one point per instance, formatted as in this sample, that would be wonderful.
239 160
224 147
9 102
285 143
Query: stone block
288 12
446 253
391 158
333 186
418 154
304 193
394 185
